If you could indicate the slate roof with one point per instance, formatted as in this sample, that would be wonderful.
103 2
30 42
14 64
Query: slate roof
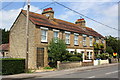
4 47
41 20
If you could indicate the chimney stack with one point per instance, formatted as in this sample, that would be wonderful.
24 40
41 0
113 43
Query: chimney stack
80 22
49 13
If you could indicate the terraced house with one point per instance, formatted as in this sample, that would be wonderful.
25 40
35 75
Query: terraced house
42 29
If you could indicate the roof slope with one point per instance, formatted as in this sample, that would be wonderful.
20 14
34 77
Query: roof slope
4 47
39 19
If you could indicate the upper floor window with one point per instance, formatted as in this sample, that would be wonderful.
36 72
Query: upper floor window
43 35
84 40
55 34
67 37
97 40
67 40
76 39
103 41
91 43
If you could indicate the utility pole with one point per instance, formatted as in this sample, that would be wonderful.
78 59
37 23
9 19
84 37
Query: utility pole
27 36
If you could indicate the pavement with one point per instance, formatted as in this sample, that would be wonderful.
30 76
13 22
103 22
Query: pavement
50 73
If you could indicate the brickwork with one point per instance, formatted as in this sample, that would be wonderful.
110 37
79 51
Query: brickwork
18 41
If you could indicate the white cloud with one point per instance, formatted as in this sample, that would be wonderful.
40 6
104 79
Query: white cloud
103 12
66 15
33 9
8 16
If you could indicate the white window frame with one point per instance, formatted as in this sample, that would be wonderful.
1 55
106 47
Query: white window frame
97 40
103 41
44 29
77 35
91 42
57 35
67 38
84 41
90 56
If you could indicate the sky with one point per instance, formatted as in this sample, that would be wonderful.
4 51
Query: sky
104 11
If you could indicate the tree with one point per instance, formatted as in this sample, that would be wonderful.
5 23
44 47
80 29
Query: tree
109 50
57 50
4 36
112 45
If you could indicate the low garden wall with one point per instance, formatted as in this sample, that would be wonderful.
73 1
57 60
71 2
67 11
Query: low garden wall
101 62
12 66
67 65
104 62
114 60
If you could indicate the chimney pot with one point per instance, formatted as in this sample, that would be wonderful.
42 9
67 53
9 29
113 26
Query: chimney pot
47 9
81 22
49 13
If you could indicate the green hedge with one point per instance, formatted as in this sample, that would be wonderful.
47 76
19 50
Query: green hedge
12 65
74 58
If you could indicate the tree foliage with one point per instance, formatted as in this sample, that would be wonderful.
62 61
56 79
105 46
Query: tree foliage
4 36
57 50
112 45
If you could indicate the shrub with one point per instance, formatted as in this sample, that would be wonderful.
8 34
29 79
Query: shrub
12 65
74 58
48 68
57 51
102 56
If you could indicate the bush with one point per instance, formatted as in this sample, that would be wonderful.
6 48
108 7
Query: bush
12 65
74 58
102 56
56 51
48 68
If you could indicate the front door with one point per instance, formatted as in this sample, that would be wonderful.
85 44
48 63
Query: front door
40 57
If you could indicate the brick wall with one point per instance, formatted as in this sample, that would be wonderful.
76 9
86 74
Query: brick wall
18 41
67 65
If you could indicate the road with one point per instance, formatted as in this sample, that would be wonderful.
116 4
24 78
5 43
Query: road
106 72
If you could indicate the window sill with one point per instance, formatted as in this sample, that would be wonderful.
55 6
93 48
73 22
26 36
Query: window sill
84 46
76 45
91 46
68 44
44 42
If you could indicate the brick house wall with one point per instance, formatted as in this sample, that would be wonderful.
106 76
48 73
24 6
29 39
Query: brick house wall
18 41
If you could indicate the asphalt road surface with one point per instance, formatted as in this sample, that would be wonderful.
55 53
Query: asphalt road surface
106 72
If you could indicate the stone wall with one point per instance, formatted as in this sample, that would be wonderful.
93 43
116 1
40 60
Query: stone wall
114 60
18 41
101 62
104 62
87 63
67 65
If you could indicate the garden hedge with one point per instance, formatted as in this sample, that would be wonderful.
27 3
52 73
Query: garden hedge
12 66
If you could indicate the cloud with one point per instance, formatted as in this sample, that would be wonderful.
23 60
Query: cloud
7 17
34 9
104 12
